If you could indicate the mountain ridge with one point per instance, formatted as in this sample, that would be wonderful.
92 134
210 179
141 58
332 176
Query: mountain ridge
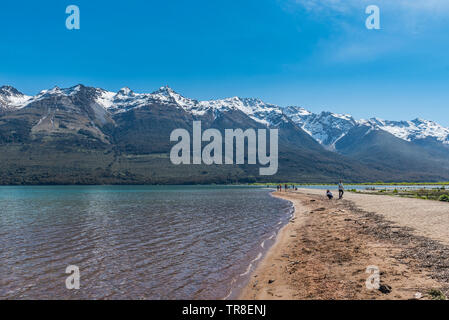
257 109
87 135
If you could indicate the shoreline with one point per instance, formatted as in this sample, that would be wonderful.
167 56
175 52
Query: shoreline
239 283
325 249
270 255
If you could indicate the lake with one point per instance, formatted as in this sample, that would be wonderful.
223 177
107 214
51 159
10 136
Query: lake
134 242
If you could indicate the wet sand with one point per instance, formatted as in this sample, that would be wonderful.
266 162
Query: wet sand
324 251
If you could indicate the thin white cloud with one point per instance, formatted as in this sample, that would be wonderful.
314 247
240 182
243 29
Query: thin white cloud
402 22
425 6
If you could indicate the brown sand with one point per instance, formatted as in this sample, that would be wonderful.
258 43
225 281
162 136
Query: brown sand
426 217
323 253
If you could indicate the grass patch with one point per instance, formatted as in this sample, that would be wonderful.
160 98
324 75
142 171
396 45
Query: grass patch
436 194
437 294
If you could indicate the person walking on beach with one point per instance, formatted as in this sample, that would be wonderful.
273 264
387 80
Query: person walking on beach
341 190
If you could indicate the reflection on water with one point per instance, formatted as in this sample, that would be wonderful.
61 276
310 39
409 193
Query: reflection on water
133 242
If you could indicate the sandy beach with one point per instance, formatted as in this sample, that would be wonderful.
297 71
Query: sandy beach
325 250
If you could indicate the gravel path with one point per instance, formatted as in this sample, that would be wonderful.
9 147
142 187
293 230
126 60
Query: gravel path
427 218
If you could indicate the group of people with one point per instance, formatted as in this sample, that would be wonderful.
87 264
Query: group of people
341 191
286 187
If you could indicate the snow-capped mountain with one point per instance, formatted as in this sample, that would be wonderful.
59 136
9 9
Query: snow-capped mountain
125 99
11 98
122 137
327 128
417 129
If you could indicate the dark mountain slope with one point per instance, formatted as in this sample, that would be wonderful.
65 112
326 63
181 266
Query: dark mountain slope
381 150
84 135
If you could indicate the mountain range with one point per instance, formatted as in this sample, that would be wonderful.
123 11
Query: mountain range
86 135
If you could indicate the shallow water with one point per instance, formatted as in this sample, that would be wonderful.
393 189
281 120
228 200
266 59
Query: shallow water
134 242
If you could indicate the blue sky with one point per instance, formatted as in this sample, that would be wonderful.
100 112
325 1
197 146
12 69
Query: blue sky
312 53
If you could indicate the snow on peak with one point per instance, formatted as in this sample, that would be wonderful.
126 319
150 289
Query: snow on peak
416 129
9 91
105 98
298 115
125 99
256 109
299 110
125 91
54 90
168 95
325 127
346 117
166 90
11 98
57 91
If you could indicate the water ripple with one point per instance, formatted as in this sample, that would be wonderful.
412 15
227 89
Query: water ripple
134 242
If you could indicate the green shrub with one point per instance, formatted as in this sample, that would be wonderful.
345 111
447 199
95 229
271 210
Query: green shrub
444 197
395 191
437 294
